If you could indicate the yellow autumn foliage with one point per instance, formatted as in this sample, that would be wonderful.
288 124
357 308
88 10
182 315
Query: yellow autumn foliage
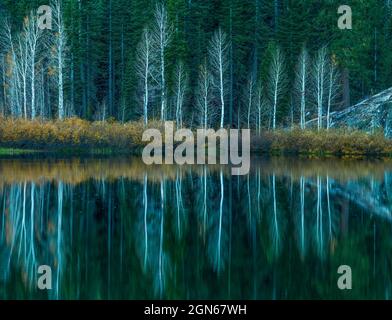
112 135
73 132
334 142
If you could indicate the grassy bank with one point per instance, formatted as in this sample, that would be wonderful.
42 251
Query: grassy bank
75 136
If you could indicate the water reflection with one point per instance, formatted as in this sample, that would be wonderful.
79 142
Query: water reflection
113 228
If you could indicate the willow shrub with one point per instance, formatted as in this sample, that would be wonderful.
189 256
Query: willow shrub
71 133
75 133
323 142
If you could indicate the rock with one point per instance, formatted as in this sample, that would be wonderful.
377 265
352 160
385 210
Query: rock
369 115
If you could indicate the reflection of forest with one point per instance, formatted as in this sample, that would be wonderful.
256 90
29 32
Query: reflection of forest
117 229
76 170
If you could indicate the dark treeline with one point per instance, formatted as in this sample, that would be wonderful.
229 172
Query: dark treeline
215 62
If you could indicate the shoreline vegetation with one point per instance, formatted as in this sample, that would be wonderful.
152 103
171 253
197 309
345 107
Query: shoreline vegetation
75 136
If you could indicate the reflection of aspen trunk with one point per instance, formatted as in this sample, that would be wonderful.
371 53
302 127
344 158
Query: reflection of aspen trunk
110 198
161 237
59 234
249 203
220 218
32 210
329 210
275 209
258 177
23 218
145 204
319 214
179 206
205 200
302 195
230 211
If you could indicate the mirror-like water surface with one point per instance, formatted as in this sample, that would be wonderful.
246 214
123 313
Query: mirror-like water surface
114 228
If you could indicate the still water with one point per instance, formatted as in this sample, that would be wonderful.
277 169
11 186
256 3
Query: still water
113 228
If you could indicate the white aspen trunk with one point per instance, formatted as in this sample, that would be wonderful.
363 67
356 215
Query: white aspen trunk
320 109
218 52
333 90
277 82
3 111
301 85
303 102
206 89
330 87
22 65
203 94
250 101
181 79
144 70
33 35
163 88
205 115
33 111
60 44
221 88
178 99
23 71
61 84
275 106
162 36
14 94
319 74
259 110
146 89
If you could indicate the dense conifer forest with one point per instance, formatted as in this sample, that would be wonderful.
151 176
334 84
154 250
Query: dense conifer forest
250 63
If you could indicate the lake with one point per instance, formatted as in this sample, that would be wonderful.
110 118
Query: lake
114 228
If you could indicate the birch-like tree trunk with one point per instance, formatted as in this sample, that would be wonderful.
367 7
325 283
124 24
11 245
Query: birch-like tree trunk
319 75
301 84
203 97
11 50
33 36
22 67
181 80
162 34
333 89
218 51
249 101
60 45
259 108
277 82
144 68
3 85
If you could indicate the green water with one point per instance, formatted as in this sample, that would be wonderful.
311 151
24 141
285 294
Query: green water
114 228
